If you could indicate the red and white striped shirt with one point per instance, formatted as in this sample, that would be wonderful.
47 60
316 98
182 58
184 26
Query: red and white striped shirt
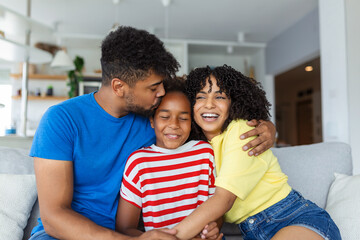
168 184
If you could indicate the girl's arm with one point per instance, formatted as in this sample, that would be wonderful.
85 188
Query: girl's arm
127 218
209 211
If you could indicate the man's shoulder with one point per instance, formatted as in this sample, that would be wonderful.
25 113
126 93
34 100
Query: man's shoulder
141 123
75 104
140 118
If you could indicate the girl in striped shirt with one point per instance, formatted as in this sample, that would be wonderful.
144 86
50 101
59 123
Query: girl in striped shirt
171 178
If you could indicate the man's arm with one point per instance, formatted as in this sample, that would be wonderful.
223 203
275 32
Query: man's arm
54 180
265 132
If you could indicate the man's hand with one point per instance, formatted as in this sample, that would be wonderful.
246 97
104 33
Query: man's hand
158 234
211 231
265 130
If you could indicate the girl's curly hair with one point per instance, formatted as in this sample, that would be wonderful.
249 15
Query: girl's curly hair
248 100
131 55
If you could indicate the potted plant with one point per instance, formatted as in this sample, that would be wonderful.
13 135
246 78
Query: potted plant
75 76
49 90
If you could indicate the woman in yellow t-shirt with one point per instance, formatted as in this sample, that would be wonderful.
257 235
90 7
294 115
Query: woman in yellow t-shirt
251 191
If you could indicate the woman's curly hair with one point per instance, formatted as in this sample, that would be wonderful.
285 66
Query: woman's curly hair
248 100
131 55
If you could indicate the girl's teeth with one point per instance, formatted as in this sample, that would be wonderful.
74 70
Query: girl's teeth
172 136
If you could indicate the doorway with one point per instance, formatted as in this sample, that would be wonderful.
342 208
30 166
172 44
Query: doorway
298 105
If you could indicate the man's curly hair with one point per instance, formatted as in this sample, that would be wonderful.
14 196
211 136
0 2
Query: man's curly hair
248 100
131 55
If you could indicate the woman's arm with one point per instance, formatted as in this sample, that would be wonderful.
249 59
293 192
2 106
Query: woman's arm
209 211
265 132
127 218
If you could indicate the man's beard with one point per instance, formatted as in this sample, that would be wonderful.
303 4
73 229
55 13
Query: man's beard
137 109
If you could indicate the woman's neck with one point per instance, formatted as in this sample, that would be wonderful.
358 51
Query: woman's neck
210 135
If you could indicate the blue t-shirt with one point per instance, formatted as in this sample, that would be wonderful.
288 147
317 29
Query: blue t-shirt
98 144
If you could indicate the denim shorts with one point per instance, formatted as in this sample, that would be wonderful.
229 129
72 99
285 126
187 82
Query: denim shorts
41 235
293 210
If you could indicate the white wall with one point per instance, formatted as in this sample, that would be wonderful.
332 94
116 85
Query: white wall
352 9
36 108
294 46
91 57
332 29
202 60
269 88
334 97
258 61
180 51
267 81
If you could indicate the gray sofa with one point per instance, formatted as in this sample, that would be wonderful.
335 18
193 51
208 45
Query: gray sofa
310 169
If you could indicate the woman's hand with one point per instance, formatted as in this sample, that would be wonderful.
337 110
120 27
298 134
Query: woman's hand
265 132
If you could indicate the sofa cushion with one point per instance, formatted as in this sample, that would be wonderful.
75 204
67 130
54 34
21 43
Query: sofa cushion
17 197
343 205
311 168
15 161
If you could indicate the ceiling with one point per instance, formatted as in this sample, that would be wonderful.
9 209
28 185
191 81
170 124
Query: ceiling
222 20
297 74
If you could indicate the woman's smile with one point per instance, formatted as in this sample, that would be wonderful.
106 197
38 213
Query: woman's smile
211 109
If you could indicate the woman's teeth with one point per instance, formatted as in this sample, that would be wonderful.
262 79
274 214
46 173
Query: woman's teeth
209 115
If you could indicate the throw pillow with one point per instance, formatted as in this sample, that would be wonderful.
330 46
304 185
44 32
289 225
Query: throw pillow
17 196
343 205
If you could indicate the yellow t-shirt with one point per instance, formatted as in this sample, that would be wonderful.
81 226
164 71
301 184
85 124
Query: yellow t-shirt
258 182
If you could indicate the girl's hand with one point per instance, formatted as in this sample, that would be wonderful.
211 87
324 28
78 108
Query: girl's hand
265 132
211 231
157 234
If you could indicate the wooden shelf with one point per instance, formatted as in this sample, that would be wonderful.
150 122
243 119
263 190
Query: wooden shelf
48 98
41 76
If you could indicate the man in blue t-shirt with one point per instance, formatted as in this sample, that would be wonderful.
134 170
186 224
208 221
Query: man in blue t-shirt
81 145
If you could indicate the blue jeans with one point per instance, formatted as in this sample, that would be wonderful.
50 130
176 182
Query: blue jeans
41 235
293 210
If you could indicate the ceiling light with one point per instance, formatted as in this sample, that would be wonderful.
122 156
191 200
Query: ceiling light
229 49
309 68
241 37
166 3
62 61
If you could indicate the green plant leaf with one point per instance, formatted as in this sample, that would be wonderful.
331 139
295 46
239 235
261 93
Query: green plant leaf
75 76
